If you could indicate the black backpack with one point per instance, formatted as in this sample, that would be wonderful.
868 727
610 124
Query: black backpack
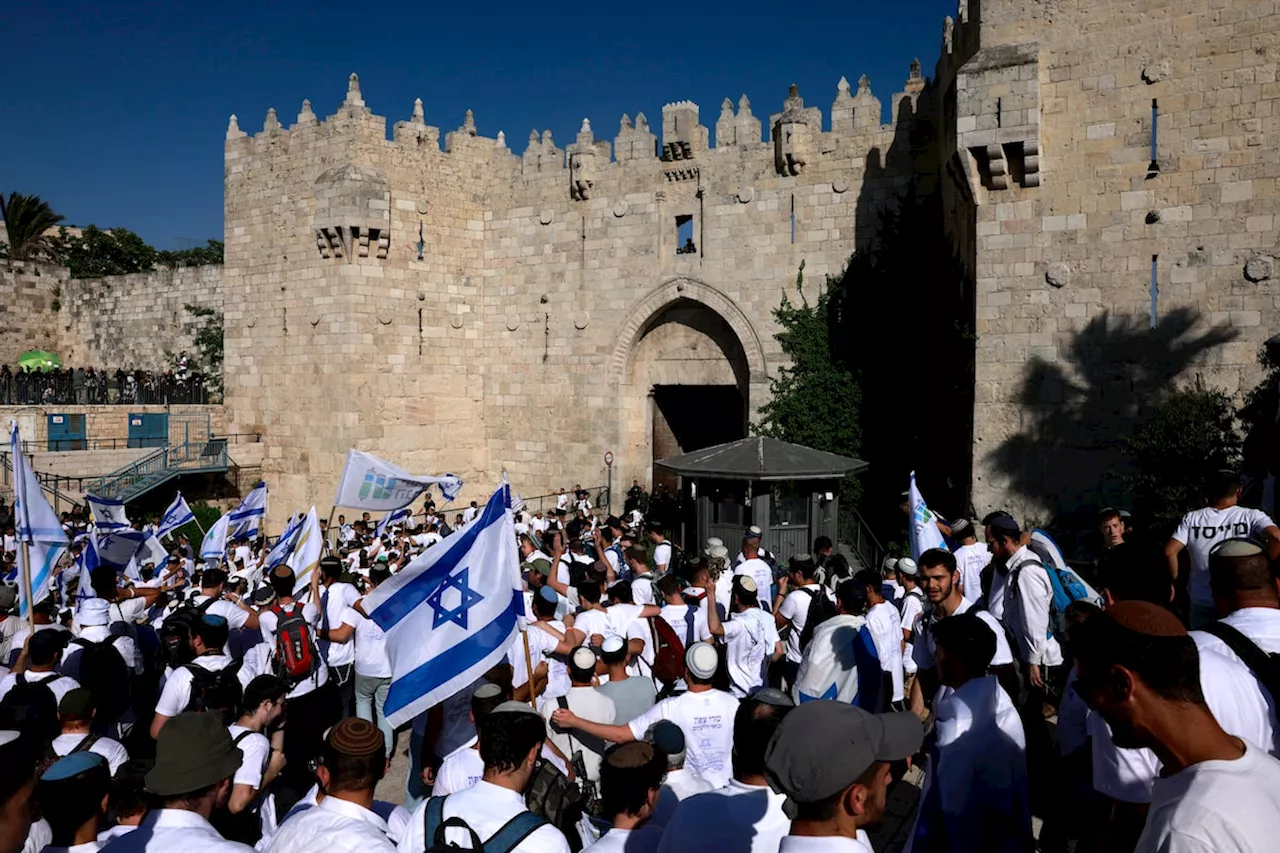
820 610
178 630
1264 666
504 840
31 708
107 677
676 566
217 691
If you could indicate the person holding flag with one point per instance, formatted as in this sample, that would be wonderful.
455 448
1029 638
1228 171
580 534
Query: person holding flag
177 515
38 530
924 532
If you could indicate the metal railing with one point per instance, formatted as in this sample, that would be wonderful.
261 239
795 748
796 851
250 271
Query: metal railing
155 468
541 503
49 483
852 529
60 445
37 389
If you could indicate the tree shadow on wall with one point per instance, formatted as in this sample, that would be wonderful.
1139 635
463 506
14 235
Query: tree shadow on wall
1073 416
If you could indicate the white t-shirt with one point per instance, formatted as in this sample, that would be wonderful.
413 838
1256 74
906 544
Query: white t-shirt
923 649
257 750
1216 807
676 615
758 570
750 637
370 645
267 621
589 704
541 647
706 718
737 817
459 770
642 590
795 609
177 687
970 561
1259 624
885 626
59 684
112 750
486 808
662 555
591 622
912 605
335 599
1203 528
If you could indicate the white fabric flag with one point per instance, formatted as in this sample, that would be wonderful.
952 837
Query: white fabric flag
306 552
452 613
214 546
284 546
830 666
924 531
175 516
375 484
108 514
36 524
246 519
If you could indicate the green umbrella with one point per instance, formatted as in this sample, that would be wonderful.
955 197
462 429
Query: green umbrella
40 360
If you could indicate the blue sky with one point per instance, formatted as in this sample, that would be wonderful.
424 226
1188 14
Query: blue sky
115 112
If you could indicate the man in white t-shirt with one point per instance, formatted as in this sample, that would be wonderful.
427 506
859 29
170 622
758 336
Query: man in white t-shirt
754 567
911 609
791 607
885 625
972 557
42 658
751 636
93 618
75 713
587 703
372 664
704 714
1203 528
262 744
661 551
1216 791
208 642
333 597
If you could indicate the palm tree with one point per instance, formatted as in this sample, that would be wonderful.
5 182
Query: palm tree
27 219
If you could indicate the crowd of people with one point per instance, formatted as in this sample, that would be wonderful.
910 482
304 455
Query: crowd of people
666 698
181 383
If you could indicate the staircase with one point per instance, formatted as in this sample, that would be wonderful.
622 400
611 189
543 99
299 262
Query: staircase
166 463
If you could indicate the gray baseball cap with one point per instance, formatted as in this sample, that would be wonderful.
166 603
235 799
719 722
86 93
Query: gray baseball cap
822 747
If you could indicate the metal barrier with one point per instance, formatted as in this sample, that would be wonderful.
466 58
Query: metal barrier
191 457
852 530
31 447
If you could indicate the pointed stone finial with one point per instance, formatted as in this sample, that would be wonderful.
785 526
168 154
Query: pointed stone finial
586 126
418 117
793 91
502 140
271 123
642 123
744 105
915 70
233 128
864 84
726 108
305 115
469 123
546 137
842 88
948 29
354 99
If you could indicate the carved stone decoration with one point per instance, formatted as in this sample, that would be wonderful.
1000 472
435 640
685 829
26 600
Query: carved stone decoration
1157 71
385 320
315 321
581 175
1031 163
1057 275
580 321
1259 268
840 185
746 194
340 241
423 206
620 209
546 216
999 168
513 322
455 320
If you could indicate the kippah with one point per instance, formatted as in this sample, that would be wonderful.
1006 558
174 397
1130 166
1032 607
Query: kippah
667 736
612 643
583 658
1236 548
73 765
282 571
1143 617
549 595
746 583
487 691
772 696
511 706
354 736
628 756
214 620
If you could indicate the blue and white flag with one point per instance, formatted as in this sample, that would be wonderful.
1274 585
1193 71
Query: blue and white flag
924 533
452 613
175 516
87 561
284 546
37 525
214 546
375 484
246 519
107 514
117 549
306 552
393 517
151 551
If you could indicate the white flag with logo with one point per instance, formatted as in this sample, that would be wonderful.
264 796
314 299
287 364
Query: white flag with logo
306 552
214 546
375 484
924 524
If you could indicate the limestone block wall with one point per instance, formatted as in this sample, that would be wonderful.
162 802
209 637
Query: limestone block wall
1073 340
111 423
28 293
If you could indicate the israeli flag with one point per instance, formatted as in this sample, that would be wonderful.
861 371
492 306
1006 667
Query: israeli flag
175 516
281 551
924 532
452 613
87 561
151 551
117 549
246 519
36 525
394 517
214 546
107 514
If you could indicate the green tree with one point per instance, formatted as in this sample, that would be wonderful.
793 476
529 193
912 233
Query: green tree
815 400
95 253
27 219
206 515
1188 436
211 253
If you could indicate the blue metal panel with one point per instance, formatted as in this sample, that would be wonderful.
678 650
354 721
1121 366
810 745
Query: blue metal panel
66 432
148 430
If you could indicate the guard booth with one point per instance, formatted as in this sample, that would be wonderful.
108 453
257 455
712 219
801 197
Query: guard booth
791 492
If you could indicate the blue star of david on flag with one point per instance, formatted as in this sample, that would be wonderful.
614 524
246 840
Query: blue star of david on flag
467 598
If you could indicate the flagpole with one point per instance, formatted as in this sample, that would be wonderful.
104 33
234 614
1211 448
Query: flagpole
31 605
528 666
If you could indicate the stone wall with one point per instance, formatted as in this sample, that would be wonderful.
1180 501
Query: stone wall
1052 135
28 294
110 424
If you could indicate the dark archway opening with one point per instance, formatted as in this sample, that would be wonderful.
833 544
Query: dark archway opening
691 417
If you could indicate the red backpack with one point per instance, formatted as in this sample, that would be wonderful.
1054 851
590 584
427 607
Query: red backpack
668 648
296 657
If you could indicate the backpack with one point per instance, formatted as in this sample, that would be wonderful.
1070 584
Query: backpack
820 610
557 801
504 840
835 571
216 691
1065 587
106 676
296 657
668 647
590 791
32 708
1264 666
178 630
676 565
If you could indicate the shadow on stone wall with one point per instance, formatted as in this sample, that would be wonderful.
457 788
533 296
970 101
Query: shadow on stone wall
1073 415
905 319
